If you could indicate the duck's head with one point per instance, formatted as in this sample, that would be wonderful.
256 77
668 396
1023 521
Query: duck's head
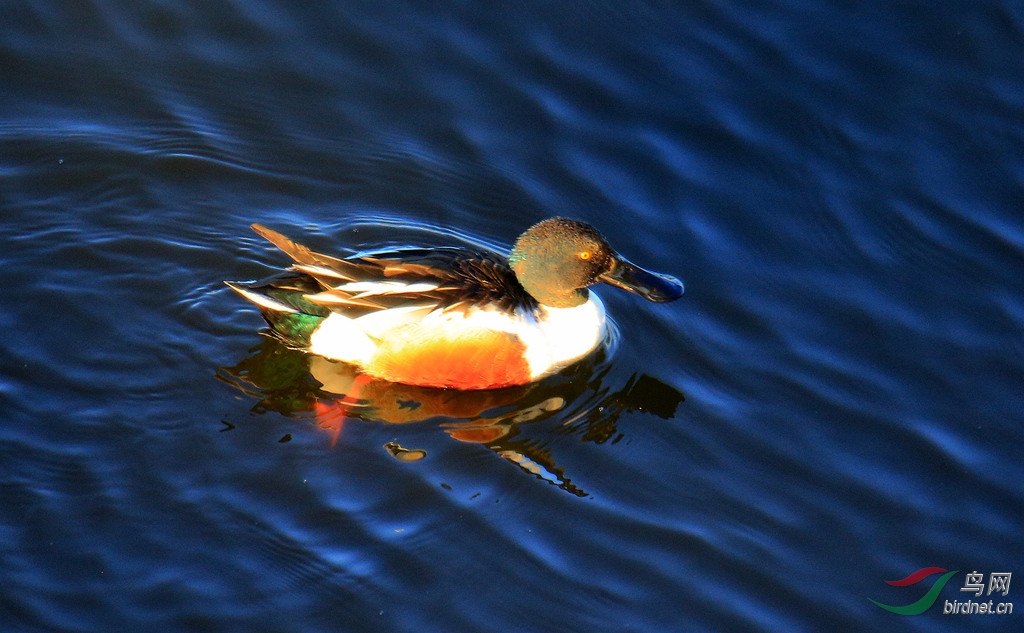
557 259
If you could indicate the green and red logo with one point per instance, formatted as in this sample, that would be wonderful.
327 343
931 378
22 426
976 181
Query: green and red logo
928 599
974 583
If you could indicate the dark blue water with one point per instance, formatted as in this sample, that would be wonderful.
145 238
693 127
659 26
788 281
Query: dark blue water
835 402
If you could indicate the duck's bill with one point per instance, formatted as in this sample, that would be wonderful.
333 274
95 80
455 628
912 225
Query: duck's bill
651 286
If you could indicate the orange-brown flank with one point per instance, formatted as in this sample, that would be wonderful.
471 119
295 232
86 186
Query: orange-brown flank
483 360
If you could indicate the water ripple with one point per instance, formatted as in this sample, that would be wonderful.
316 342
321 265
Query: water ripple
838 185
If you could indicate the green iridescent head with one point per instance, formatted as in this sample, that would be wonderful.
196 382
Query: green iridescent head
557 259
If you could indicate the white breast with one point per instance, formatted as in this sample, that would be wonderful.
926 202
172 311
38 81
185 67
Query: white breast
557 338
562 335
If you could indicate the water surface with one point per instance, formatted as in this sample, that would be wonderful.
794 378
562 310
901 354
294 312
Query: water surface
835 402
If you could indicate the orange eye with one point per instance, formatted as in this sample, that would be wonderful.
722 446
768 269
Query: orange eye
584 255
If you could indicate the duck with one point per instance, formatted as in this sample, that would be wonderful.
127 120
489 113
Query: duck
458 318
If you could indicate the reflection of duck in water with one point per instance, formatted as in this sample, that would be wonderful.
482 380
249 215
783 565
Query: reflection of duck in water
454 317
516 422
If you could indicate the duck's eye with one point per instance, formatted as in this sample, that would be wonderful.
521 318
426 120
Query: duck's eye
584 255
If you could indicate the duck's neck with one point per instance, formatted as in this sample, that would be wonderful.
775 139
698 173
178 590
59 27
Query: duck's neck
561 300
543 285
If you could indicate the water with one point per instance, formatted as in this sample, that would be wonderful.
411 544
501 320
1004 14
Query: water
834 403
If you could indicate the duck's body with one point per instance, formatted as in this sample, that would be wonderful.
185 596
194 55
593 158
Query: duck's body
447 317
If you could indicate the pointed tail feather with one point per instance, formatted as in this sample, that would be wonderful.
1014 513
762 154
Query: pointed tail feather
264 301
284 307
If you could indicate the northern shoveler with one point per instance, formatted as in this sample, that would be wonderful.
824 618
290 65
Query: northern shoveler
453 317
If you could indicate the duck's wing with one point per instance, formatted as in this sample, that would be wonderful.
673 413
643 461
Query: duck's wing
447 278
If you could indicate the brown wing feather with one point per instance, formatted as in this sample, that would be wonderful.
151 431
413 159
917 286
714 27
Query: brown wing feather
464 277
303 255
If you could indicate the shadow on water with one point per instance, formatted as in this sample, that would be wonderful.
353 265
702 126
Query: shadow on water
581 401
